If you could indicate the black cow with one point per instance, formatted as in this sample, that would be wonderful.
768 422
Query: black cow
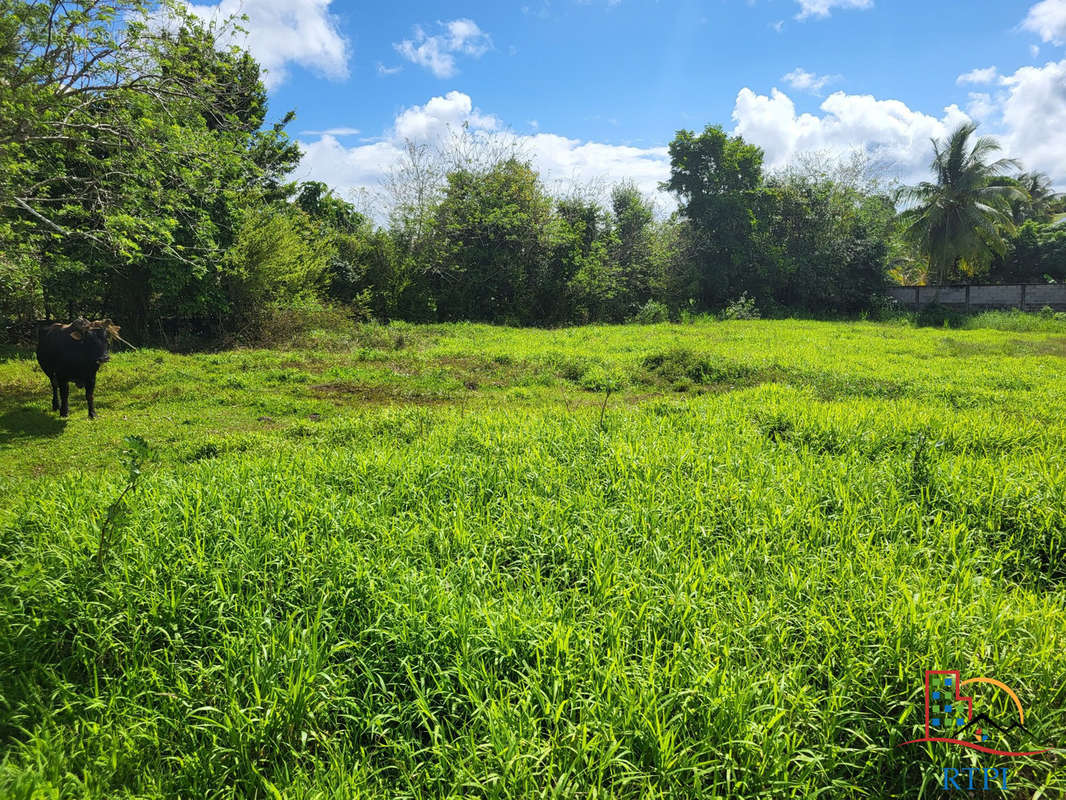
74 352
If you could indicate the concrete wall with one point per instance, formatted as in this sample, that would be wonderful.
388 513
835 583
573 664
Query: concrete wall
1028 297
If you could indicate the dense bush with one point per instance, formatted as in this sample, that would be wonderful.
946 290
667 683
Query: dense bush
651 312
1035 255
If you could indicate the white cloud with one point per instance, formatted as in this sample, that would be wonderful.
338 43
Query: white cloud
982 106
283 32
806 81
432 123
822 8
437 53
558 158
778 26
346 168
1026 111
1047 19
978 76
385 72
569 161
332 132
1034 118
891 134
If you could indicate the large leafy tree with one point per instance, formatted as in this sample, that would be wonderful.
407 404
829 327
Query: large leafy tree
717 179
825 242
130 145
632 250
581 282
958 220
364 270
492 233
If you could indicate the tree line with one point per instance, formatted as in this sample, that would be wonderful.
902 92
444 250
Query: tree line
140 179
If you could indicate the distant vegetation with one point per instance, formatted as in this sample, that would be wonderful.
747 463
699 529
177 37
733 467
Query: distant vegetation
142 179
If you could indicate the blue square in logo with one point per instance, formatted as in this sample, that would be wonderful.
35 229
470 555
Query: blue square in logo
936 722
959 721
947 681
947 709
936 695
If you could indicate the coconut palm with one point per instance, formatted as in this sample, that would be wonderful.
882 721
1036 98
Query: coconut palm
959 221
1038 205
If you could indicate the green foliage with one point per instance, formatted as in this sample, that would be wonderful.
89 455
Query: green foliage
717 179
135 453
584 281
491 227
365 270
128 151
958 222
278 258
652 312
741 308
1035 200
824 242
640 273
1035 255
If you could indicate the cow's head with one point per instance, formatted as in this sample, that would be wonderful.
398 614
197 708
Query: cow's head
96 337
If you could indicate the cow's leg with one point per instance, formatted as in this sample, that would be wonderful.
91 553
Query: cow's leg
55 392
90 390
64 396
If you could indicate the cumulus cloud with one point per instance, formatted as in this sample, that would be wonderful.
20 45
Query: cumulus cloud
888 131
1034 118
432 123
1047 19
806 81
978 76
982 106
1026 111
822 8
437 53
284 32
558 158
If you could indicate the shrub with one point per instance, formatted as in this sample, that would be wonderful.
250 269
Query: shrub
680 366
935 315
278 259
651 313
741 308
308 323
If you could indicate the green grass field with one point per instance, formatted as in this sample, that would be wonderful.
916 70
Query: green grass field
444 561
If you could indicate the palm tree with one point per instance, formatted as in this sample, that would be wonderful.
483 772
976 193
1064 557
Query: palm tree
1038 205
958 222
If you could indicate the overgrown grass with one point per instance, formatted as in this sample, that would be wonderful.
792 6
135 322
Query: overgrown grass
426 569
1015 320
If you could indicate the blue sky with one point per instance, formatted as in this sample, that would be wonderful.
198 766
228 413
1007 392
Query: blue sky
595 89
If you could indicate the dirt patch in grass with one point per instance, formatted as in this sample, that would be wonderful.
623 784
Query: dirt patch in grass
1054 346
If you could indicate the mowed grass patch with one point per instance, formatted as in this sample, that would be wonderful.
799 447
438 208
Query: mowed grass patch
722 591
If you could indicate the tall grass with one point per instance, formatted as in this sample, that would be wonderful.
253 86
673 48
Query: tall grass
725 582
